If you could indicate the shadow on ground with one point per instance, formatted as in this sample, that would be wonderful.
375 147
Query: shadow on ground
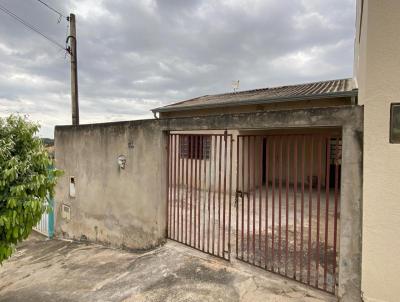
52 270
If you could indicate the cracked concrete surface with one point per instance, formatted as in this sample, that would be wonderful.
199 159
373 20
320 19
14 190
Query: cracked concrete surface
53 270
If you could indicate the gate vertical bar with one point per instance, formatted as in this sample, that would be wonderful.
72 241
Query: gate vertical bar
318 208
175 185
243 200
237 195
185 192
280 204
224 196
196 139
303 146
230 195
214 187
335 211
287 202
295 178
191 155
168 190
219 193
248 199
209 197
260 183
254 199
267 169
180 176
327 171
310 190
189 137
200 159
273 204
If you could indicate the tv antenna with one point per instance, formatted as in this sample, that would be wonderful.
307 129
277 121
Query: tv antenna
235 86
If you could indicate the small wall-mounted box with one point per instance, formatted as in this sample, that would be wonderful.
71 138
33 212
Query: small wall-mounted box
66 212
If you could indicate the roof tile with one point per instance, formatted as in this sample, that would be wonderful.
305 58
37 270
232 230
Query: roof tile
284 93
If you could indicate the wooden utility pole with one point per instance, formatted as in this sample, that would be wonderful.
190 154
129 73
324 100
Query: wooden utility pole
74 70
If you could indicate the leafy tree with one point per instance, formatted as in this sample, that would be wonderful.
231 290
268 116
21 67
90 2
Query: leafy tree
26 181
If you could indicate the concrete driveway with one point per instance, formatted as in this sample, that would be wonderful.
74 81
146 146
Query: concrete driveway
52 270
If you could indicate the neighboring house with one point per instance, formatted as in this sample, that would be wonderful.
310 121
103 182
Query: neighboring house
300 180
311 95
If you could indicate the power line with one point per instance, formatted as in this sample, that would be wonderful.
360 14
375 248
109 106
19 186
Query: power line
53 9
31 27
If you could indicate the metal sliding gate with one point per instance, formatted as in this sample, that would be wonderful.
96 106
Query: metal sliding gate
281 206
287 205
200 191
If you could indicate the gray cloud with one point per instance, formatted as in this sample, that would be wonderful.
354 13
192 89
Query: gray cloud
139 54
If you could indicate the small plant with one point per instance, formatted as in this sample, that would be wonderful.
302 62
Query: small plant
26 181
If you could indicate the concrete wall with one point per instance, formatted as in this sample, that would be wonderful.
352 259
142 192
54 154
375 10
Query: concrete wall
377 63
121 207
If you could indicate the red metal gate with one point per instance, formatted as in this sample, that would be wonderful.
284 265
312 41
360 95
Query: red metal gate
200 191
287 204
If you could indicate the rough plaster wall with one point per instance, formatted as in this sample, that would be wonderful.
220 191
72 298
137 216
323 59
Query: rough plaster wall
123 208
379 76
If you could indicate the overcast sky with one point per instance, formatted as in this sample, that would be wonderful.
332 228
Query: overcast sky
140 54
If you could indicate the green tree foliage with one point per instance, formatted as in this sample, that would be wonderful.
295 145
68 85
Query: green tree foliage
26 181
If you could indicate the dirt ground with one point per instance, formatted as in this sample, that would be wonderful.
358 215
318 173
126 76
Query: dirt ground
53 270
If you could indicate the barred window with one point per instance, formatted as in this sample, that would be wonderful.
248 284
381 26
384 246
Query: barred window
195 146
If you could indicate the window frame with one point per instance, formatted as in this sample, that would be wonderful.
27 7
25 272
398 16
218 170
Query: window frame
391 121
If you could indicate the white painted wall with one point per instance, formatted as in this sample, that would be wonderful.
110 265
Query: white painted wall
377 69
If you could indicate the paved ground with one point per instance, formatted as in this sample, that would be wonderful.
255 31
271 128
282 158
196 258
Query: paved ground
52 270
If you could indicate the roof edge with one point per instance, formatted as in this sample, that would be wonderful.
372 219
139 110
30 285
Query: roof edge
244 102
